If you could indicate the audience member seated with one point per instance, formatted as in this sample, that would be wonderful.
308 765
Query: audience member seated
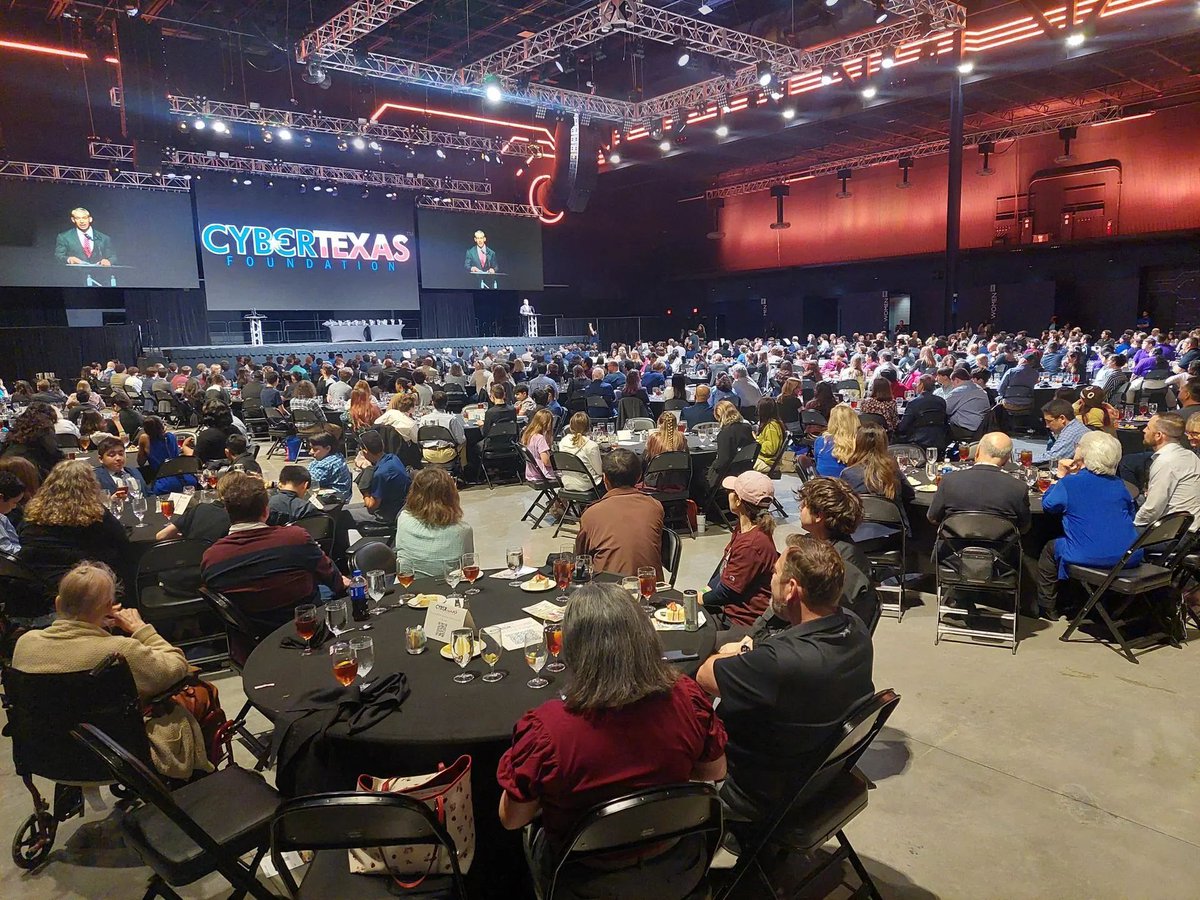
579 443
984 487
744 387
12 495
339 391
739 590
128 419
880 402
66 523
1065 431
601 388
1097 517
926 405
783 697
1093 411
830 511
363 411
699 412
238 455
32 437
873 470
833 449
216 425
383 481
666 438
537 438
266 570
208 522
622 531
499 411
328 468
522 402
823 400
271 396
27 473
399 416
722 392
112 473
288 501
571 753
430 531
155 446
772 438
734 434
1174 484
438 452
79 639
1025 375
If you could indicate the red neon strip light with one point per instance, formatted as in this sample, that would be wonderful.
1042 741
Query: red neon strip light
40 48
457 115
113 60
549 218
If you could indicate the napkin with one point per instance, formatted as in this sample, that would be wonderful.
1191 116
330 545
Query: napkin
509 573
295 642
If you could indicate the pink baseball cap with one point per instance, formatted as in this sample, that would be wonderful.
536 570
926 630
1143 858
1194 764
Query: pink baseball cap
751 487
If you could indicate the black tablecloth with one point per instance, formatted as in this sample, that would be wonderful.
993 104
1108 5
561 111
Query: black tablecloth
924 499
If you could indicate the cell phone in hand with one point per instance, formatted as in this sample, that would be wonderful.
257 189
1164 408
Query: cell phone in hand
678 656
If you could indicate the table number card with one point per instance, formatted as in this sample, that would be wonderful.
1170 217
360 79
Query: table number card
443 618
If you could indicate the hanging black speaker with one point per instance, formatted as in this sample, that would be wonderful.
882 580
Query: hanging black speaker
145 110
576 165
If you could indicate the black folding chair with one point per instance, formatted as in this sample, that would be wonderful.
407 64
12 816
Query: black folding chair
667 479
255 417
196 830
827 801
456 397
887 554
440 435
743 461
66 441
178 466
322 529
1018 404
598 409
42 710
371 556
672 549
631 408
243 635
547 486
930 419
576 500
331 824
168 591
308 422
279 429
872 419
23 595
683 813
500 450
1133 584
978 552
849 388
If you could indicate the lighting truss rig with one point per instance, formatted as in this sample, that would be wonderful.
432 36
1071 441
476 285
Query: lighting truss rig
85 175
469 204
349 25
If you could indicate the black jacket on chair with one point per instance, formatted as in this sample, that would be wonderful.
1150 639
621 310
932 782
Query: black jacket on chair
982 488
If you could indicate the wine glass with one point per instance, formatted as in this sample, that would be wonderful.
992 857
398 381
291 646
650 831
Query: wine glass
535 656
493 648
405 575
647 581
305 619
630 584
376 588
337 616
462 648
564 565
470 570
118 505
344 666
583 568
363 650
137 502
454 577
553 633
514 558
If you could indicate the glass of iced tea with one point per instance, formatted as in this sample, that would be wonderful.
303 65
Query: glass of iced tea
168 507
1043 481
405 576
564 568
554 643
647 580
470 570
345 666
305 619
1026 458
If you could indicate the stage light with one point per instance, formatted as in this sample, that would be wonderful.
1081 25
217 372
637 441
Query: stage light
887 62
270 184
183 126
682 55
704 9
869 93
332 192
986 149
765 75
966 68
236 180
359 143
342 145
131 8
789 113
308 140
844 177
317 188
303 187
520 171
220 127
831 3
441 154
366 192
776 95
722 130
1076 39
726 106
680 122
267 136
906 163
826 79
881 13
284 134
656 129
198 124
391 195
491 89
664 146
375 146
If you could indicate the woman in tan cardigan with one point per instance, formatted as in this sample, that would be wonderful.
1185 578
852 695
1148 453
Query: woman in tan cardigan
78 640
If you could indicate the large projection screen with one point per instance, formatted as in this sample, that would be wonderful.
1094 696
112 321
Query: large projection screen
278 248
54 234
512 246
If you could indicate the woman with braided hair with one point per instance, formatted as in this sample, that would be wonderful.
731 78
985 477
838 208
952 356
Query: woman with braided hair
665 438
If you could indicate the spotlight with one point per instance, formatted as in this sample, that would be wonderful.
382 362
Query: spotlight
831 3
869 92
267 136
765 75
680 122
375 146
303 187
843 176
220 127
664 146
183 126
284 134
966 68
366 192
726 106
391 195
683 55
656 129
986 149
1066 135
826 79
888 61
342 145
1076 39
236 180
491 89
314 74
779 191
776 95
881 13
308 140
704 9
247 181
558 63
906 163
270 184
789 113
441 154
198 124
614 157
317 188
131 8
359 143
332 192
722 130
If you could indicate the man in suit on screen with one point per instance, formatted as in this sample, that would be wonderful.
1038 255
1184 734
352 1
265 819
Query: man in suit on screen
82 245
481 257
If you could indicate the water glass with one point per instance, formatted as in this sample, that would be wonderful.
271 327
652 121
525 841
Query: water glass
454 577
462 648
514 558
363 650
535 657
414 639
376 588
493 649
337 616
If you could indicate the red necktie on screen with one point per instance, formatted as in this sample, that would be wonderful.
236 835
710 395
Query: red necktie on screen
482 257
87 245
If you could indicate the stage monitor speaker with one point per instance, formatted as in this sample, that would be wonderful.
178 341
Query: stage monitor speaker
576 165
145 109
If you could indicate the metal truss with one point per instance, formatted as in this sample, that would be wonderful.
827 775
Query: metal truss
349 25
283 169
1049 125
82 174
465 204
412 135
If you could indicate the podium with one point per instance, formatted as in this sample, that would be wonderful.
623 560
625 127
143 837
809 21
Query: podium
256 331
531 326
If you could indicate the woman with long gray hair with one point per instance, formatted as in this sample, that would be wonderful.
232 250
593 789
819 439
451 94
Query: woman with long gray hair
572 753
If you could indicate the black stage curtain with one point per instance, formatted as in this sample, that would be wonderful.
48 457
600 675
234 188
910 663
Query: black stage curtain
63 351
169 318
448 314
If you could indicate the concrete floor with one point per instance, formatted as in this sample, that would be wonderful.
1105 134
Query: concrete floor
1061 772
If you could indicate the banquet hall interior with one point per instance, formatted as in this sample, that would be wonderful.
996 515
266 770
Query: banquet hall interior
821 369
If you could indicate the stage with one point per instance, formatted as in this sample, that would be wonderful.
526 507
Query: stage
189 356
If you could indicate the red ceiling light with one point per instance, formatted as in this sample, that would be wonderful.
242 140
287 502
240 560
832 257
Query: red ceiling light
42 48
544 215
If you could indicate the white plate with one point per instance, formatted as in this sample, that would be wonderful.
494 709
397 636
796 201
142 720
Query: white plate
446 654
926 488
530 588
661 615
423 601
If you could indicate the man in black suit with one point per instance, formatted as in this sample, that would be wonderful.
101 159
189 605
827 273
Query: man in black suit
500 410
984 487
481 257
83 245
927 409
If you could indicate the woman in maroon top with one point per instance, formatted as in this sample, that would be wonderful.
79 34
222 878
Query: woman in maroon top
740 589
570 754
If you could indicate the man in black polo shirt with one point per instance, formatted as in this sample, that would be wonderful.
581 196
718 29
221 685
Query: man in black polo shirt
782 698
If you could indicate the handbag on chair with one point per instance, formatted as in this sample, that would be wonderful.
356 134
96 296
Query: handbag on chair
448 793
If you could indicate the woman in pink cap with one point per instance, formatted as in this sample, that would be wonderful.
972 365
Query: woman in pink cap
740 588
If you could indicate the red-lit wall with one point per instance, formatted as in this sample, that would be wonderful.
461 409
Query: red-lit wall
1159 155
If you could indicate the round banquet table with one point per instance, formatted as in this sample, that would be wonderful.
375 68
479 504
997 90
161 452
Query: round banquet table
923 498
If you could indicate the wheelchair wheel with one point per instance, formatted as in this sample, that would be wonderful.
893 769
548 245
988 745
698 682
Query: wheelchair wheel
33 840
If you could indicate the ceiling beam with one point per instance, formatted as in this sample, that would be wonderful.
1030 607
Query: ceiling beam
349 25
